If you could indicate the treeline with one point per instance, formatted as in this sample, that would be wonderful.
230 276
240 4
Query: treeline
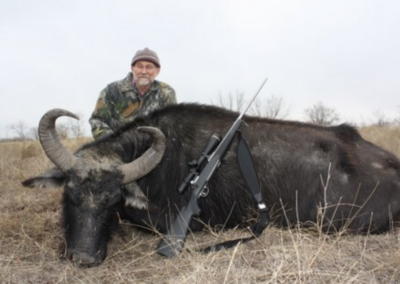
276 108
67 130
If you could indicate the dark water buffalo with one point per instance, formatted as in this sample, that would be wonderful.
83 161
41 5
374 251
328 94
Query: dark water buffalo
306 172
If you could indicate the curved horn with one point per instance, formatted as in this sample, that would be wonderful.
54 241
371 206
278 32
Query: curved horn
50 140
149 160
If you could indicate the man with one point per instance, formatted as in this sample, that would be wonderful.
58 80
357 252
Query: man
136 95
122 101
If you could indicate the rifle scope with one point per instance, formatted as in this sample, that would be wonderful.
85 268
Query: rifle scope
198 165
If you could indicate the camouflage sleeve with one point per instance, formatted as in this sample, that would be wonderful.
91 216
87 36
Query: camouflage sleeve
169 97
101 117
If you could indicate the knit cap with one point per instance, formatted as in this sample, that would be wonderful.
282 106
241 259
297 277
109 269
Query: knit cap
146 54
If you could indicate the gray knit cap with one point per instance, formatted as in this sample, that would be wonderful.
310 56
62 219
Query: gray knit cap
146 55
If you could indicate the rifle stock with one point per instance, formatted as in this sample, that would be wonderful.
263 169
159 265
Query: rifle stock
172 243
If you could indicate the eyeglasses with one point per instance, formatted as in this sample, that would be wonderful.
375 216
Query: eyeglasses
145 67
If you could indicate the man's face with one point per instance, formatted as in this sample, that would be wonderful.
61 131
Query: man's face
144 73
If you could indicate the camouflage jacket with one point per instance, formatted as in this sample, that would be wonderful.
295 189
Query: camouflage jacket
121 102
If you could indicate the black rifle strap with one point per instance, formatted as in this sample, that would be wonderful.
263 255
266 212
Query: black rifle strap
249 174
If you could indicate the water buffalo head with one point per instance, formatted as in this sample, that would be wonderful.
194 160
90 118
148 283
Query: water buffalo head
92 179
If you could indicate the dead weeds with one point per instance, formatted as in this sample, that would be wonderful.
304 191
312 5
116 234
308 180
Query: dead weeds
31 245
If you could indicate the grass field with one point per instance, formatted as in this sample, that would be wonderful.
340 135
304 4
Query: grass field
31 241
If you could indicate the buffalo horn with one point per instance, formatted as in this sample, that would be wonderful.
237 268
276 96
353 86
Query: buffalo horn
149 160
50 140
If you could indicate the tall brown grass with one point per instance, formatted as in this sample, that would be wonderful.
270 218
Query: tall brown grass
31 241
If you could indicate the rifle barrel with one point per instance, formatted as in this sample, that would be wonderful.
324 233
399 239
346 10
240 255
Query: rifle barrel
254 97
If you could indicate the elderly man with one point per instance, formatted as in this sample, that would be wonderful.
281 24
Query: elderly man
136 95
122 101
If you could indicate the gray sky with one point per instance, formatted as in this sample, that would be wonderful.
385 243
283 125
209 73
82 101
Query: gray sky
345 54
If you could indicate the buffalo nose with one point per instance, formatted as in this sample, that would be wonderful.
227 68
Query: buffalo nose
81 258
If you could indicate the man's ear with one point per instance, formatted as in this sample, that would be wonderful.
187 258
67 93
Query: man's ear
49 179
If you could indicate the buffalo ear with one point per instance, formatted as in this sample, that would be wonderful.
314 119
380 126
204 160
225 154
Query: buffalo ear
51 178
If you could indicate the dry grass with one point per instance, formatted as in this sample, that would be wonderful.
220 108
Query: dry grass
387 137
31 242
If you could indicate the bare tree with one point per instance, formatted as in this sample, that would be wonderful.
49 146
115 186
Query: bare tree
20 128
34 133
397 120
76 127
63 130
381 119
232 102
322 115
272 107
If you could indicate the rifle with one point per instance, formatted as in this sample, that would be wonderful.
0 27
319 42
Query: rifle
201 172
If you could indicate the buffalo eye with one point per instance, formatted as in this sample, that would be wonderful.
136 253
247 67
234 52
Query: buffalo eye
73 196
114 200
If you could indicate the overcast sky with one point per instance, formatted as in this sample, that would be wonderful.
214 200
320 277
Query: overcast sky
343 53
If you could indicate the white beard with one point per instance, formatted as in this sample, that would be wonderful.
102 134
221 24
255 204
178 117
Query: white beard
143 81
